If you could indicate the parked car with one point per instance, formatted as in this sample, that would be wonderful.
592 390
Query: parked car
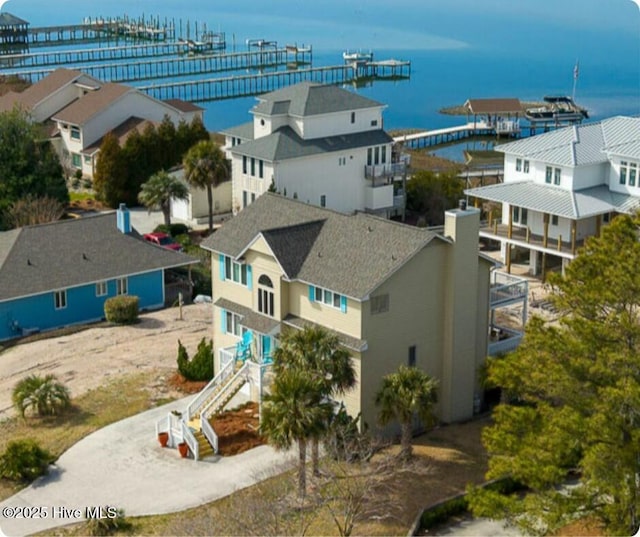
163 240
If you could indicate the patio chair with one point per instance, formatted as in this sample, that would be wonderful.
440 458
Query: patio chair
243 348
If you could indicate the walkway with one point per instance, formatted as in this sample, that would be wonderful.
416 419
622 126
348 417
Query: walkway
123 466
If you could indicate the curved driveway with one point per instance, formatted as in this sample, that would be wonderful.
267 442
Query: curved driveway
123 466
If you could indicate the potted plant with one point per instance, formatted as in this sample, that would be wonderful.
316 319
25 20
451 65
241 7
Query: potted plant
183 448
163 438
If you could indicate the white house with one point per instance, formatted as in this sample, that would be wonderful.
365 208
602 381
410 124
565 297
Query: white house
320 144
80 110
561 187
195 209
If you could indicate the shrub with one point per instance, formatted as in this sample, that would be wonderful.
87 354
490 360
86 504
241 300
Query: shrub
44 395
111 520
201 366
121 309
443 512
24 460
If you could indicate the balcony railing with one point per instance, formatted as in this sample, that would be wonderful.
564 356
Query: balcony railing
503 340
396 169
524 236
506 288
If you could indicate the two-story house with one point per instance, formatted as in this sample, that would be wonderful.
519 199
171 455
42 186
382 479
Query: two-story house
320 144
560 188
79 110
393 294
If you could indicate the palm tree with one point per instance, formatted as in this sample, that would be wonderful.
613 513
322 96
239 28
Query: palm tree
157 191
294 412
404 393
316 352
44 395
205 166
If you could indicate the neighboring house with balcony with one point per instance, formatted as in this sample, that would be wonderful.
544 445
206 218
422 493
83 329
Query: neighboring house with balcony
60 274
80 110
393 294
560 188
322 145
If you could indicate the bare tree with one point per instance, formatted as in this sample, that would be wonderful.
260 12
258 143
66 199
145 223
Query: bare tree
32 210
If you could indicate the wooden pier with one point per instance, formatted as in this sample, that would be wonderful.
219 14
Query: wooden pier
127 71
255 84
446 135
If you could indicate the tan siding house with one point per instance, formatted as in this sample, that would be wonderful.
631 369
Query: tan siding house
394 294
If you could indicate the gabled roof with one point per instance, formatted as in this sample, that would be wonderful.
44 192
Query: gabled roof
310 99
622 136
39 91
121 132
183 106
574 205
494 106
92 103
580 144
244 131
348 254
68 253
7 19
285 144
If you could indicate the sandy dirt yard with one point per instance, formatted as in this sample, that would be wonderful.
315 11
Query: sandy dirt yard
91 357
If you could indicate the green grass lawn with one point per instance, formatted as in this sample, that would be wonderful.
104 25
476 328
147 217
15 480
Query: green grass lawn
97 408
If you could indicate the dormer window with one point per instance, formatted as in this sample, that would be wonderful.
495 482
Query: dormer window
75 133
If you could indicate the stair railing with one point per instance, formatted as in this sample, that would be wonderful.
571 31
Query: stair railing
209 433
241 372
203 395
190 439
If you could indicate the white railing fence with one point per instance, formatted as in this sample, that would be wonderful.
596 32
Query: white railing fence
200 399
190 439
209 433
223 392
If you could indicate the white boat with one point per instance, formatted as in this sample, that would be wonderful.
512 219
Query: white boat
357 56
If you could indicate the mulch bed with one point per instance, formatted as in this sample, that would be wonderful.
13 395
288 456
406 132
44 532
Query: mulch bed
178 382
237 429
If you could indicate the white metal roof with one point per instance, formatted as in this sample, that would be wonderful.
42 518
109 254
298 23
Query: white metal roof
581 144
557 201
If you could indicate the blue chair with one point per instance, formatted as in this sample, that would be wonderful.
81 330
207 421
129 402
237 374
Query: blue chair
243 348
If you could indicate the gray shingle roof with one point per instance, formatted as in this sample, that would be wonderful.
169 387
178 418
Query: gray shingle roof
69 253
92 103
580 144
309 99
349 342
564 203
348 254
250 319
285 144
244 131
8 19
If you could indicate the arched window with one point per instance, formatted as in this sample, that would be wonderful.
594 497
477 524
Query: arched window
265 295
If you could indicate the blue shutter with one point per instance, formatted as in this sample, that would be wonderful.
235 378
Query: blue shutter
222 275
312 293
343 304
223 320
249 277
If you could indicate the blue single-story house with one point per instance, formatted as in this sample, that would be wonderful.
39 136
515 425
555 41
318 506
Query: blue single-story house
59 274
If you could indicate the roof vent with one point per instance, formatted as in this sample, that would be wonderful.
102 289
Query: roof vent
369 229
84 256
29 262
462 205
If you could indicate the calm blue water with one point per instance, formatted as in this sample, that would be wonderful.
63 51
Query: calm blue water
459 49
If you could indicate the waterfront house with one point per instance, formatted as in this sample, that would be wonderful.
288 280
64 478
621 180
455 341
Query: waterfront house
80 110
560 188
320 144
60 274
393 294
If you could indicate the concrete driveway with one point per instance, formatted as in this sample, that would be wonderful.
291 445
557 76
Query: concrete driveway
123 466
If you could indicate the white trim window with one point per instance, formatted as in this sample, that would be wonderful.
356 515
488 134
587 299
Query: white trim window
628 173
233 325
328 298
101 288
60 299
236 272
122 286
